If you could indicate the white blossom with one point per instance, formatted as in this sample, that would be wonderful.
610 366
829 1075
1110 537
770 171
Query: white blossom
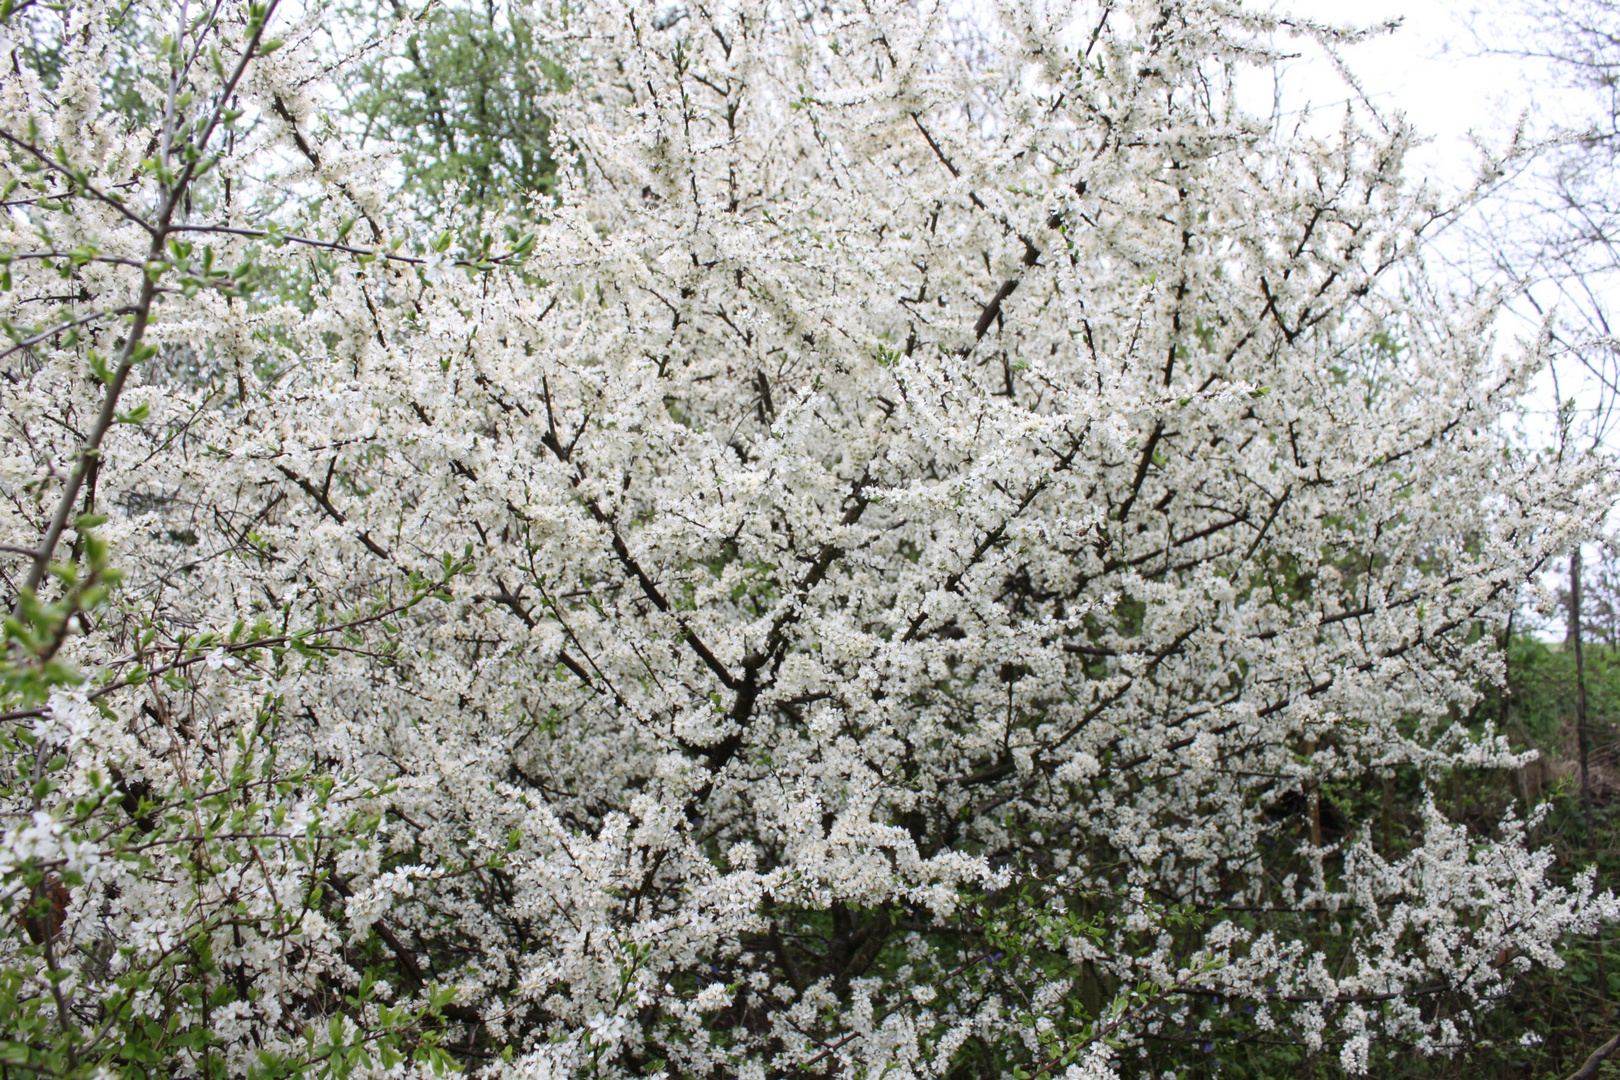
925 482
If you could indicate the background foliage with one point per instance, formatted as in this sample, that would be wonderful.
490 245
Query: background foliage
459 89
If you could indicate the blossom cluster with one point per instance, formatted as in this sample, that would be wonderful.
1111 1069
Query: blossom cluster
885 576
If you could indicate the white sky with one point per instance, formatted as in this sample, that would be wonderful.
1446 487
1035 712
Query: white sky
1435 69
1445 70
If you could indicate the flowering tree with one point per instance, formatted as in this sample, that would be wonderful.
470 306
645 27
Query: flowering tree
911 569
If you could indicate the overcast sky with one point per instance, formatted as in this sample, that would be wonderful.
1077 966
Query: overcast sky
1437 68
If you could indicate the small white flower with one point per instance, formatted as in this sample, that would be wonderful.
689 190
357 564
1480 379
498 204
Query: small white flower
1116 430
1082 765
713 997
606 1031
1205 752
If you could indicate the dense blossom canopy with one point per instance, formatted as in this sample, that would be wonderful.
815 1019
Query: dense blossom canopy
877 582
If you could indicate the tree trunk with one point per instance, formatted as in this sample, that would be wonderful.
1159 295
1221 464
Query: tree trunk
1583 743
1582 736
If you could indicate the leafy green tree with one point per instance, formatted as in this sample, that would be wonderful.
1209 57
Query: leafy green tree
460 92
